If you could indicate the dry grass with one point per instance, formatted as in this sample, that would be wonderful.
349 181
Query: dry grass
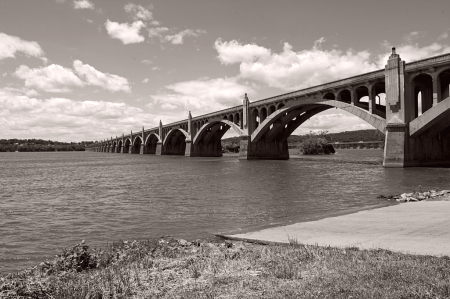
180 269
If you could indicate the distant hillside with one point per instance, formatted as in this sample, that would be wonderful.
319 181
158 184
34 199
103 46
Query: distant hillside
347 136
39 145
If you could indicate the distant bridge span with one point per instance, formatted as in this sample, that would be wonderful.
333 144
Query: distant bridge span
415 118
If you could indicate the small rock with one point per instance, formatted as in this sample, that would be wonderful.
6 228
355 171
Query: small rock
197 242
228 244
183 242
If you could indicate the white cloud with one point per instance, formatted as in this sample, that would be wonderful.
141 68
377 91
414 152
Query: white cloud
56 78
290 70
233 52
65 119
107 81
155 68
128 34
10 45
157 31
443 36
146 80
413 36
202 96
140 12
411 52
178 38
146 61
169 106
82 4
52 78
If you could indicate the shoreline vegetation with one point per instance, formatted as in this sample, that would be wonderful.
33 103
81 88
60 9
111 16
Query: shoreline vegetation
176 268
39 145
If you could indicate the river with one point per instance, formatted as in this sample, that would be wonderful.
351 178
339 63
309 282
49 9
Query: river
49 201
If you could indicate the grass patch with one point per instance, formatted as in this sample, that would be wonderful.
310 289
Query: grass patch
170 268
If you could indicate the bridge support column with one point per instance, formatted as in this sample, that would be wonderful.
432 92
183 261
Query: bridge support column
396 127
395 143
159 147
143 149
188 150
244 145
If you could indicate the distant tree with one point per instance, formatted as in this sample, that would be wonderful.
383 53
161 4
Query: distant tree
316 144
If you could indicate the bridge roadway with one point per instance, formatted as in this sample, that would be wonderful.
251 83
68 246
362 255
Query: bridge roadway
415 118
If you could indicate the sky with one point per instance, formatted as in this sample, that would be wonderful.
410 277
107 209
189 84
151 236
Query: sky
79 70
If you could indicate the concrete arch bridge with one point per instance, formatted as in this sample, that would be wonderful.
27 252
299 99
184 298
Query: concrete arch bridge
415 118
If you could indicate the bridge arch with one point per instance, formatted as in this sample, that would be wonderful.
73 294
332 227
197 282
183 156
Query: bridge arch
127 145
207 142
114 147
175 142
423 92
151 143
444 84
136 148
213 127
283 122
119 146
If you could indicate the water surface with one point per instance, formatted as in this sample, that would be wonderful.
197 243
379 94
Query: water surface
49 201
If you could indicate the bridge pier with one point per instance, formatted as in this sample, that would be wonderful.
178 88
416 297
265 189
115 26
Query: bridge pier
263 150
415 137
395 143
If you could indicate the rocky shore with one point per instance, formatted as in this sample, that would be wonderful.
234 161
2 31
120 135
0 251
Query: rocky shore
419 196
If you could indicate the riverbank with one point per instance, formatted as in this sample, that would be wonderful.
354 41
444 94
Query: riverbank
414 228
170 268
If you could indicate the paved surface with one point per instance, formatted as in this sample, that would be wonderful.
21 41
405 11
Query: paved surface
415 227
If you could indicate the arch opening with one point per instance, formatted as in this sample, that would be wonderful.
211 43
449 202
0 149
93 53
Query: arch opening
237 120
345 96
208 141
444 82
175 142
126 146
263 114
254 118
272 109
151 144
423 94
136 145
329 96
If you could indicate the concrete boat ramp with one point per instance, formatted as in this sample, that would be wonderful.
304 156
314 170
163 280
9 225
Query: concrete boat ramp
414 227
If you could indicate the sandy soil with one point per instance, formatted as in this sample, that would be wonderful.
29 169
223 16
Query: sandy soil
414 227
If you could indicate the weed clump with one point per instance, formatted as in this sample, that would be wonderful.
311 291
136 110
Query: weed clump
171 268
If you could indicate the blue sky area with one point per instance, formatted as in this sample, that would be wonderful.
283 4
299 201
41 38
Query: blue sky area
74 70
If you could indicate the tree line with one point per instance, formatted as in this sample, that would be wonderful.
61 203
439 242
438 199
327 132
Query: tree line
40 145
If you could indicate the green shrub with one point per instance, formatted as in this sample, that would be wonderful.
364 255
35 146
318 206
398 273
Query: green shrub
316 144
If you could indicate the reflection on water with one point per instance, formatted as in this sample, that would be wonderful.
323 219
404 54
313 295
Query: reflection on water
52 200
